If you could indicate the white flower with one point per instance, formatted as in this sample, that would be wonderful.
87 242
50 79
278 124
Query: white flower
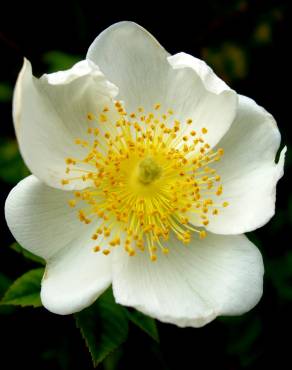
126 151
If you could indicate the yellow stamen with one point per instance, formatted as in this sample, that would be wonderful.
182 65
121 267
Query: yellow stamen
72 202
90 116
146 178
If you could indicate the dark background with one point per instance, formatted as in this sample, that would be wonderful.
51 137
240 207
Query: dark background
247 44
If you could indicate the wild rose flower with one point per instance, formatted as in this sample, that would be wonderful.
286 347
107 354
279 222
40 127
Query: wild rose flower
146 171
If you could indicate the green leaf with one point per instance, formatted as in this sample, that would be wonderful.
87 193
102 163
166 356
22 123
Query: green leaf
5 282
147 324
25 291
57 60
111 362
104 327
12 166
17 248
6 92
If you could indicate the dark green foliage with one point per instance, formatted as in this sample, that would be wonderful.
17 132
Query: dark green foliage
30 256
25 291
147 324
104 327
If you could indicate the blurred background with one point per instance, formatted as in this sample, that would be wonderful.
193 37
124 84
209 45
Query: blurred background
247 44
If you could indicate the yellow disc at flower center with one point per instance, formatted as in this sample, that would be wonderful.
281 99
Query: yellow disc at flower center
148 171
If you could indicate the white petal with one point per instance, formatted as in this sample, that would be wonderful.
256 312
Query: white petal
212 82
75 279
145 74
133 60
40 218
43 223
50 113
206 98
248 170
220 275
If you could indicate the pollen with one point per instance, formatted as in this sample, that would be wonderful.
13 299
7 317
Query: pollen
72 202
90 116
145 177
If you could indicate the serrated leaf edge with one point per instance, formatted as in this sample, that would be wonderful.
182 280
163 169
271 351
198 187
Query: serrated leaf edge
9 302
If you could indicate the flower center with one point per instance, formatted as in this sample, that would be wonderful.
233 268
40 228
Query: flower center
147 176
148 171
